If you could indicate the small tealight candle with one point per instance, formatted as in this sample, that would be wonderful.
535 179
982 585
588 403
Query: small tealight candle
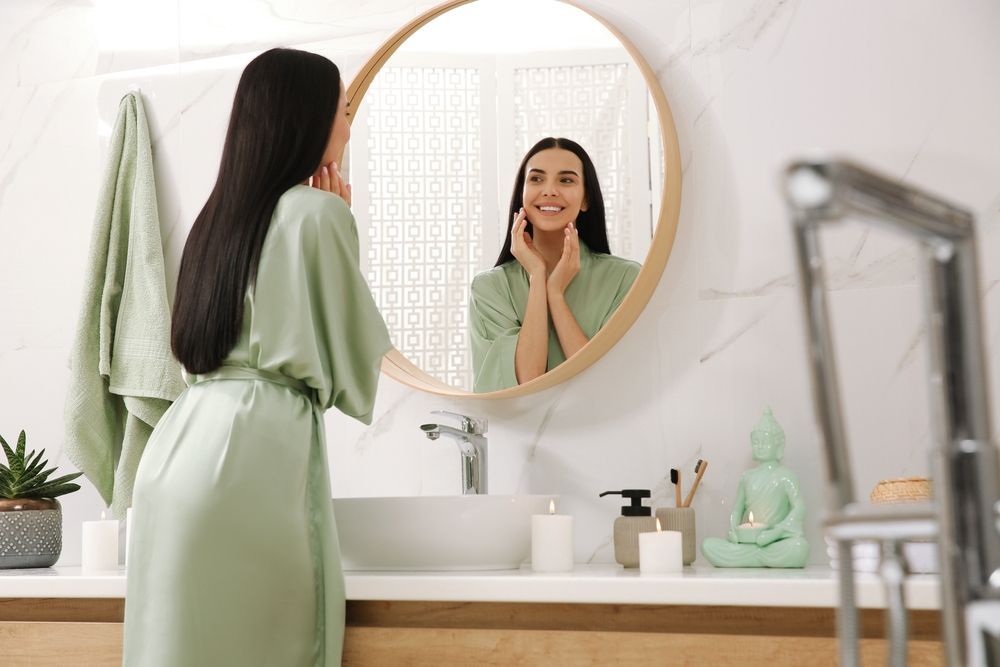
551 541
660 552
100 545
747 532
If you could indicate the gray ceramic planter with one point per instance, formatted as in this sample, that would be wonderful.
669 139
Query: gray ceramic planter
30 533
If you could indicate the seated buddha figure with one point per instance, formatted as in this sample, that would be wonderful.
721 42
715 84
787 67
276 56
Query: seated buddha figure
765 526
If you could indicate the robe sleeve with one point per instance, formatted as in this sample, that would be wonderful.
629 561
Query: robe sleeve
350 328
618 289
330 334
494 330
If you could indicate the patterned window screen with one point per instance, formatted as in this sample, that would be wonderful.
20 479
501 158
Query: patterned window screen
588 104
424 236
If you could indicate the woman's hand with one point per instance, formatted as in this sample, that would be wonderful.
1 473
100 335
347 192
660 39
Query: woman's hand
571 336
569 262
523 249
327 178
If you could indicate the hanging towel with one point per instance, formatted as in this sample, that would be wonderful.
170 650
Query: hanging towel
123 375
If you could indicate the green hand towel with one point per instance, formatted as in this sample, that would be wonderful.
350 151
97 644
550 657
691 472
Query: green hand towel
123 375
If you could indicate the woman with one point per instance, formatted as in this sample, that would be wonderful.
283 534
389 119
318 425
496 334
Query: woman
234 557
556 284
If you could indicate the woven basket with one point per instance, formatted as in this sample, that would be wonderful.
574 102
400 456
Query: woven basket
905 490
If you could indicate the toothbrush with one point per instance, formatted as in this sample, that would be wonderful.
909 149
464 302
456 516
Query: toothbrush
699 469
675 479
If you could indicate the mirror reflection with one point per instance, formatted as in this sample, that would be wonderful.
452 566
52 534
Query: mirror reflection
443 153
556 282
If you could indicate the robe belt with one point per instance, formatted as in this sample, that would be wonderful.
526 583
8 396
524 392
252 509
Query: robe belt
247 373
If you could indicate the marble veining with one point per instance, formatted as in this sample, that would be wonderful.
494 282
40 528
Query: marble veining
732 338
381 426
908 354
779 283
28 25
760 16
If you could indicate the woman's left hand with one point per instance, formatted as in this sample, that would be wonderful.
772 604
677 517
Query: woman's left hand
569 263
327 178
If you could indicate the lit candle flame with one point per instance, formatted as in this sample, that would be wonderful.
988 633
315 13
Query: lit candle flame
658 528
552 506
103 517
751 517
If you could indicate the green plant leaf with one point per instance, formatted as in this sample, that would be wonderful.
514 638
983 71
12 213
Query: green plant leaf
26 477
51 490
32 472
35 460
8 452
43 488
18 464
34 475
28 482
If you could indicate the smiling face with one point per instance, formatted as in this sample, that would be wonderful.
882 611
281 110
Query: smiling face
340 133
553 192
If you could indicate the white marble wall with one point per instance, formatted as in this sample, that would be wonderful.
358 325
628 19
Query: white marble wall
908 87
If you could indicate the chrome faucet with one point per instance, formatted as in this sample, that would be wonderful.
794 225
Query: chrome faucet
471 440
964 462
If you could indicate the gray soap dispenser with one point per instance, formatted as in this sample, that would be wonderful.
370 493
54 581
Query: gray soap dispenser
636 518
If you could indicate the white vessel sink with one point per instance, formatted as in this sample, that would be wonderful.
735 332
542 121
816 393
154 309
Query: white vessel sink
437 532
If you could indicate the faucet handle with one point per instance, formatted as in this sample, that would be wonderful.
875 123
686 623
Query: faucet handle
473 425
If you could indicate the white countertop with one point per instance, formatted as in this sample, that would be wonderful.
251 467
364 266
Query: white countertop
595 584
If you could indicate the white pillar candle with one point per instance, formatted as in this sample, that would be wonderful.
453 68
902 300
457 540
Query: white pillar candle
128 532
660 552
551 541
100 545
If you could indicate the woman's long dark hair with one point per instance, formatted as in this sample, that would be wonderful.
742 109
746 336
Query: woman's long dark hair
278 131
591 224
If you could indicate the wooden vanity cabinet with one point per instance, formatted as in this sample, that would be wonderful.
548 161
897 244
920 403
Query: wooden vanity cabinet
44 632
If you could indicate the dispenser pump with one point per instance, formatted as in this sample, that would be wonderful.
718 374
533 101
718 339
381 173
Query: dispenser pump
635 496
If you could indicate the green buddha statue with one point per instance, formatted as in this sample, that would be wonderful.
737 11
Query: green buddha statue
765 526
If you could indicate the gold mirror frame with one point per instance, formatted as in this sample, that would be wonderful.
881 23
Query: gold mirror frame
401 369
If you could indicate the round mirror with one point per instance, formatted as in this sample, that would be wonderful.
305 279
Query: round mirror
442 119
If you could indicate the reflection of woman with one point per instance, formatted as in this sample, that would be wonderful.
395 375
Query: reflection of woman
234 557
556 284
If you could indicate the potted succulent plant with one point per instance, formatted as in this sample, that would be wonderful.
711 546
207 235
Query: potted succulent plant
30 516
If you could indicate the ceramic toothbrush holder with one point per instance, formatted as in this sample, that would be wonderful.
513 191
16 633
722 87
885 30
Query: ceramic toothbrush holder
680 519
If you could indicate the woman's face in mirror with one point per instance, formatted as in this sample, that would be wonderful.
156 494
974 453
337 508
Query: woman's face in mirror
553 192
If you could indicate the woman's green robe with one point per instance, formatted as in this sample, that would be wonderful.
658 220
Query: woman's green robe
234 557
500 295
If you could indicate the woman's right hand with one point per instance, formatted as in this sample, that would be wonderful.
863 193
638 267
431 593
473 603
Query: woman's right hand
523 249
327 178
